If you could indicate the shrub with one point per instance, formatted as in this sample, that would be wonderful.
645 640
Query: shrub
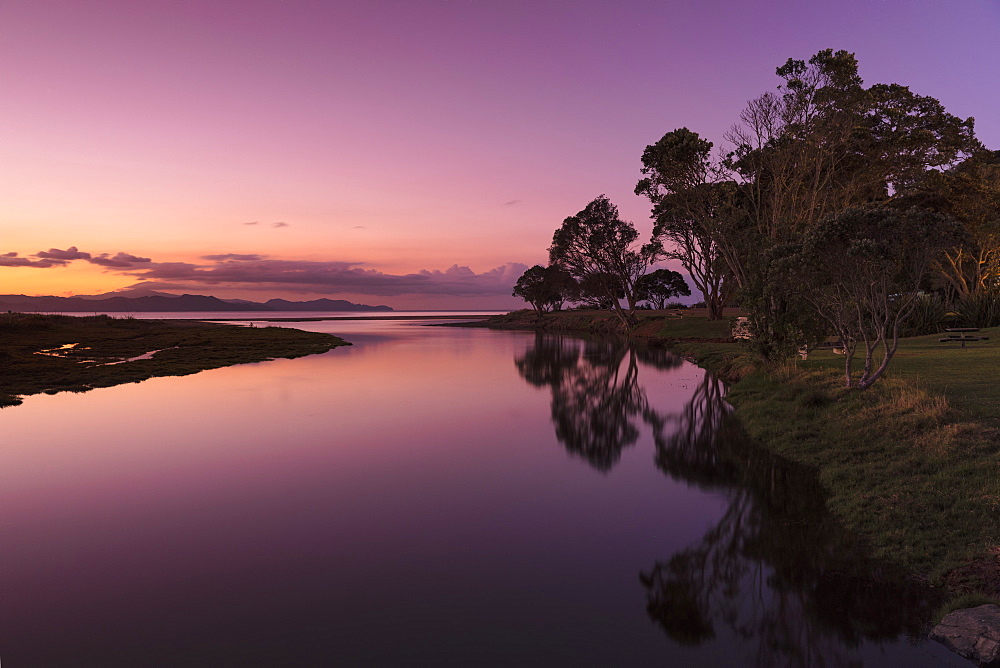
981 309
928 316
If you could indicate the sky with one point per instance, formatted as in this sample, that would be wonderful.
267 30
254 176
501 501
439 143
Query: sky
414 153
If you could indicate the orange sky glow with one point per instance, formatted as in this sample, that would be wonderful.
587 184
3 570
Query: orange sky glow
418 155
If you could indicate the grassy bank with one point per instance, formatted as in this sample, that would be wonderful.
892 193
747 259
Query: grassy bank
49 353
913 464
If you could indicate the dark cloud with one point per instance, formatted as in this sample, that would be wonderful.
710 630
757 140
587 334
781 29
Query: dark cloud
12 260
119 260
55 257
255 222
232 256
71 253
279 224
328 278
250 271
511 202
360 227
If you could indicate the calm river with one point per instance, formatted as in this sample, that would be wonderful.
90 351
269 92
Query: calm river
427 496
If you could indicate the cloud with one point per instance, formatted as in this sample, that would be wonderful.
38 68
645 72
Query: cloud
233 256
512 202
119 261
256 222
54 257
12 260
279 224
259 273
71 253
326 277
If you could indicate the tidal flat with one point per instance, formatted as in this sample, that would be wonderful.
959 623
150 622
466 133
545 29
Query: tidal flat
56 353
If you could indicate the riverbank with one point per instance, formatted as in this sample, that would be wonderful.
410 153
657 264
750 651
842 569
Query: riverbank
912 464
55 353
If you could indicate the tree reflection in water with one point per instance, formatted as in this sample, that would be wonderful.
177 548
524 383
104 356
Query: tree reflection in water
596 396
777 571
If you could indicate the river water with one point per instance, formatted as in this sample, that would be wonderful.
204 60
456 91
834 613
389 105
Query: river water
428 496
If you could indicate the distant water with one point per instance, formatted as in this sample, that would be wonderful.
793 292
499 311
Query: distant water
428 496
263 315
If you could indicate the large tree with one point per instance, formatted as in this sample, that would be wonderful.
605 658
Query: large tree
690 193
597 246
861 272
970 193
821 144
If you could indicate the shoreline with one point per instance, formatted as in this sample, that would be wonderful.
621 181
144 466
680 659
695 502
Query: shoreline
81 353
335 317
901 466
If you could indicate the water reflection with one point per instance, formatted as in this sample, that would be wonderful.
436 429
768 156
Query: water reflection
596 396
776 571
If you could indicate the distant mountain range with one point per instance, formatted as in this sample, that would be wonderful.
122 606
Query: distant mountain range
160 301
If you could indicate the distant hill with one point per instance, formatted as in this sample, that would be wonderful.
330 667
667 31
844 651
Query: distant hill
167 302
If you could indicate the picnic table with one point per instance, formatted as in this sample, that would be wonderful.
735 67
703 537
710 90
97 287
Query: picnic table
962 335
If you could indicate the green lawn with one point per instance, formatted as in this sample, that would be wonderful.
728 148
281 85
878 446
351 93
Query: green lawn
969 377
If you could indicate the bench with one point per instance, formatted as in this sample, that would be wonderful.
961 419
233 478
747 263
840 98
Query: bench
962 335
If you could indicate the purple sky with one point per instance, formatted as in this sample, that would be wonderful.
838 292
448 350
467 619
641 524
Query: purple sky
418 154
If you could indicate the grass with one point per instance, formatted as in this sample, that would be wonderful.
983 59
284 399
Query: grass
912 464
915 477
104 343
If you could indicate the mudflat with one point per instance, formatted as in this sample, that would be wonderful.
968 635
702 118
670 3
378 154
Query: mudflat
55 353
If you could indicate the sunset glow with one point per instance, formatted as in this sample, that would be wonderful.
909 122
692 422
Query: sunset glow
418 155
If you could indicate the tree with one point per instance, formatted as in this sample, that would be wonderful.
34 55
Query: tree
970 193
861 271
545 288
599 290
822 144
658 286
597 243
689 193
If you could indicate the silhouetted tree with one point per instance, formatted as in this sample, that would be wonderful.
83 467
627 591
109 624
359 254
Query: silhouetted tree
597 243
690 194
545 288
820 145
659 286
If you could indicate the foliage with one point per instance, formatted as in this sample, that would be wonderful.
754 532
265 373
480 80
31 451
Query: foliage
545 288
658 286
979 309
596 245
820 145
970 193
599 290
689 196
861 271
929 316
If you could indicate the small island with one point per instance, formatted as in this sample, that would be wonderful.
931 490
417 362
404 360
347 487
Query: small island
58 353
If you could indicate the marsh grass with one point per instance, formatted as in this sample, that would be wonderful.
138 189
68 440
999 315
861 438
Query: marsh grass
185 347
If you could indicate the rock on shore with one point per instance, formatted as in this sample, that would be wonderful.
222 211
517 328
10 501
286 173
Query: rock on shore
972 632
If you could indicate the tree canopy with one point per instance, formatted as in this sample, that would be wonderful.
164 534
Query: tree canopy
861 271
689 196
545 288
597 246
659 286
